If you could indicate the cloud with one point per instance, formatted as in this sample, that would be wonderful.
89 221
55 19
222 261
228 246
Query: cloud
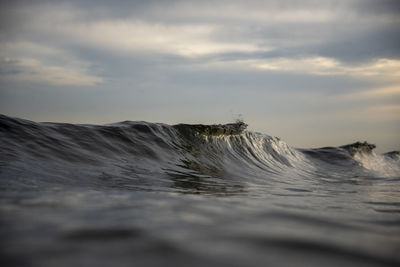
248 12
195 29
31 70
382 68
383 113
139 36
385 92
34 62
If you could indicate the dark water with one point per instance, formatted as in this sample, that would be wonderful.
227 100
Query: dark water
144 194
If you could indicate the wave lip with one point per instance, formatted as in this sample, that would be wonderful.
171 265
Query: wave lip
359 147
215 129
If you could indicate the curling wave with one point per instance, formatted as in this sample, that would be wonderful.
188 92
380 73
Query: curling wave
145 155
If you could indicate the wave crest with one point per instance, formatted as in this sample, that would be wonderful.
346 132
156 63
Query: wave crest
139 154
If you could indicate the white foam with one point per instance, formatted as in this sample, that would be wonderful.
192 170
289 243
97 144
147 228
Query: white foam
381 165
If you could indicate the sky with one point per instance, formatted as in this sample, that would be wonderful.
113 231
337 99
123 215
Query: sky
314 73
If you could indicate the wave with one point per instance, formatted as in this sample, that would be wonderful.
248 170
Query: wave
142 155
201 192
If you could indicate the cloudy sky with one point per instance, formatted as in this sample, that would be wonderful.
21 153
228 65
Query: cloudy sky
314 73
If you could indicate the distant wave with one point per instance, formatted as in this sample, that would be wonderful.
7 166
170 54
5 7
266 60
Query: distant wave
150 155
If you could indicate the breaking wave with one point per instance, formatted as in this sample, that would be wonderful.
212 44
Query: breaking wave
151 155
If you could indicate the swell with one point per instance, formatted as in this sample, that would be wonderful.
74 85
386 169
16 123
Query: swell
143 155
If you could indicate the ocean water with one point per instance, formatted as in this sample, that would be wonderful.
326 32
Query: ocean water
145 194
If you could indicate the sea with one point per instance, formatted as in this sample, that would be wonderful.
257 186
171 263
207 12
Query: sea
136 193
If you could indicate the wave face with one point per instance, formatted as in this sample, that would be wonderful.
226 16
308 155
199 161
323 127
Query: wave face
198 194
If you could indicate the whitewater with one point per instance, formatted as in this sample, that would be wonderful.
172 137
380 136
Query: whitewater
136 193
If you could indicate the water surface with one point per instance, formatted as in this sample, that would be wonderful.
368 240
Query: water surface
145 194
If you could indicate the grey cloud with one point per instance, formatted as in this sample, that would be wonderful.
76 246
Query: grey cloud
384 43
357 34
388 7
